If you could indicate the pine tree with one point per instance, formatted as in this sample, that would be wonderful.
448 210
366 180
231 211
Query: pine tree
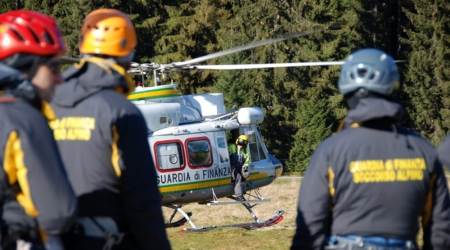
313 118
148 17
270 89
70 16
317 95
7 5
279 91
427 74
380 25
188 32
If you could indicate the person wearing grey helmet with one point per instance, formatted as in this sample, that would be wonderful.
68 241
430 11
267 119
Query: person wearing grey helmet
368 185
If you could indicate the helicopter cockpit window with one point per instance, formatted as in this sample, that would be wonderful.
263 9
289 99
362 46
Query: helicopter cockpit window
169 156
221 142
199 152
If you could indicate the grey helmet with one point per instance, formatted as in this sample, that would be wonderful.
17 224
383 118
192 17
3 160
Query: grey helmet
370 69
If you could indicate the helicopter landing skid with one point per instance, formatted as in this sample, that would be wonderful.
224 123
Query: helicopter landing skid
253 198
275 219
248 201
179 222
182 221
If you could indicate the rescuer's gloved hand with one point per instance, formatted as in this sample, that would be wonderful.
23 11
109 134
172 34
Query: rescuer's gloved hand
245 171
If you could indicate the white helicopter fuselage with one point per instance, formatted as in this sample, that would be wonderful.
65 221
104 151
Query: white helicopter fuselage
189 144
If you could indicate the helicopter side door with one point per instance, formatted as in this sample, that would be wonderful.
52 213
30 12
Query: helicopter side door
261 165
256 146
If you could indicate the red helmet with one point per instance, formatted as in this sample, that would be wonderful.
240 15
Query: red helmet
29 32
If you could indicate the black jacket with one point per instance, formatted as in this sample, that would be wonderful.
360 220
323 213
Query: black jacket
373 179
33 184
103 142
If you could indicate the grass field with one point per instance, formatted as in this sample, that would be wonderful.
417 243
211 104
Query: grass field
283 194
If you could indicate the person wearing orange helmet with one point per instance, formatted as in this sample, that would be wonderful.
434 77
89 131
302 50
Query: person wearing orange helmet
103 141
37 201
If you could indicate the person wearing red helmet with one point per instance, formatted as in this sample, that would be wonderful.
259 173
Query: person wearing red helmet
37 200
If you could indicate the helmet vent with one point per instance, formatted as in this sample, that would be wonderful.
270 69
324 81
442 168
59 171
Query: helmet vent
30 33
92 27
362 72
33 34
352 76
371 76
48 38
18 35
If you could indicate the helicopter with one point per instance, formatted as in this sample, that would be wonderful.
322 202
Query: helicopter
189 137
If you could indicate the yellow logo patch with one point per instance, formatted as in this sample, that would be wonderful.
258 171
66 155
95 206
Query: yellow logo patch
73 128
392 170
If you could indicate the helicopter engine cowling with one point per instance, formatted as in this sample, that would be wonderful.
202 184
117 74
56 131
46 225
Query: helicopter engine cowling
252 115
161 115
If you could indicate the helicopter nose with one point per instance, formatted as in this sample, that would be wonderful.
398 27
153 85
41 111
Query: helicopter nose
277 164
278 171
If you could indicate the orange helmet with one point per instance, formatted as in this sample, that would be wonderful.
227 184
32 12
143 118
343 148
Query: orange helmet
107 32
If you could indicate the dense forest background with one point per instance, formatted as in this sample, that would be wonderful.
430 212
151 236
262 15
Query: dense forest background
302 105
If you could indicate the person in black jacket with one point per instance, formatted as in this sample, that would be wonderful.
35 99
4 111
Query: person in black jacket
368 185
103 141
36 199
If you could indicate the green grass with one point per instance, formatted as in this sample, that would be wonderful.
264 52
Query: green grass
232 238
283 194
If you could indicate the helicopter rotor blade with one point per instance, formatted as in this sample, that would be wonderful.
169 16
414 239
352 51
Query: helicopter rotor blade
245 47
264 65
267 65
